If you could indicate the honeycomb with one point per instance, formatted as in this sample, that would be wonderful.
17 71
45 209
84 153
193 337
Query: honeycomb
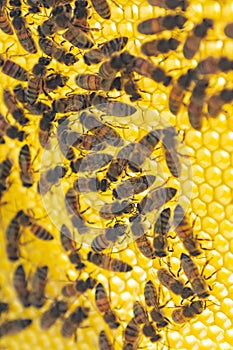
209 192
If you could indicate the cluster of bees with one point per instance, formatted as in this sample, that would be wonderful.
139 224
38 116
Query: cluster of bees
120 176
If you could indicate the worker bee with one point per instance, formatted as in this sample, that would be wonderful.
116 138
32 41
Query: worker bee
75 319
12 239
106 70
145 247
106 49
193 41
169 4
185 232
78 287
91 162
21 286
5 24
51 25
49 317
13 70
89 81
40 232
26 174
103 341
177 93
53 50
9 130
22 31
196 104
14 326
140 315
50 178
131 335
102 8
132 186
173 284
72 103
45 128
103 305
14 109
117 208
196 280
77 38
101 130
53 81
131 89
169 142
111 235
160 24
161 229
73 208
113 108
81 14
151 299
212 65
217 101
150 331
5 169
159 46
69 245
155 199
108 263
38 285
185 312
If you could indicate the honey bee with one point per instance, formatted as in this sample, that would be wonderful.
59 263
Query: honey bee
69 245
169 4
53 81
14 326
173 284
14 109
155 199
228 30
108 263
103 341
111 235
50 48
132 186
5 24
161 229
145 247
4 307
41 233
131 89
140 315
78 38
91 162
89 81
102 8
50 178
195 106
151 299
78 287
26 174
185 232
21 286
193 41
72 103
49 317
184 313
39 280
73 208
75 319
150 331
212 65
196 280
117 208
160 46
80 16
9 130
91 184
12 239
170 150
106 70
113 108
160 24
178 91
23 33
5 170
101 130
106 49
103 305
131 335
13 70
51 25
45 128
217 101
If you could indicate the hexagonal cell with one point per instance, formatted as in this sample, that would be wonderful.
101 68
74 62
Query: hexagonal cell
206 192
222 158
216 211
224 194
227 141
213 176
211 140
